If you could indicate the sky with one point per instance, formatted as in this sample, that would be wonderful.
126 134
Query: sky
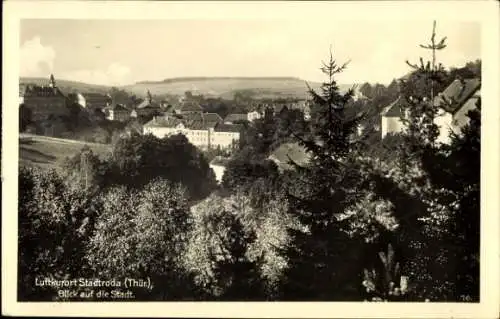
120 52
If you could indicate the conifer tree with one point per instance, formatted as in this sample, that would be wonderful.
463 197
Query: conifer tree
419 91
321 259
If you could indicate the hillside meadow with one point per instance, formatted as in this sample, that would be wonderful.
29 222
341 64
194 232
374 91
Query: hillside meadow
49 152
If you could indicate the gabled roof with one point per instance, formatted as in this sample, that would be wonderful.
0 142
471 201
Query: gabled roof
287 151
393 109
96 97
169 121
235 117
42 91
456 94
117 107
221 127
147 103
191 106
192 121
212 117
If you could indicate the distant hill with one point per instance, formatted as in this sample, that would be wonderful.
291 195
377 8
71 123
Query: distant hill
225 87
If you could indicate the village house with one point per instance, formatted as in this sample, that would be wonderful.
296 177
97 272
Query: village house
454 103
204 130
391 121
44 101
146 107
93 101
116 112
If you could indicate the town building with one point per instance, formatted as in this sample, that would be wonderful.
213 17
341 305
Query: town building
391 121
146 107
204 130
44 101
117 112
93 101
454 103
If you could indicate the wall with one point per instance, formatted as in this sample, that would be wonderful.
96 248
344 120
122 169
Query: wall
219 171
460 118
199 138
42 107
391 125
444 122
224 139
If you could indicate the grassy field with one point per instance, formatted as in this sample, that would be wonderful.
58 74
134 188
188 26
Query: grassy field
48 152
225 87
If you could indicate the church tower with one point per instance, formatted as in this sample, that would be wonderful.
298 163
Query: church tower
52 82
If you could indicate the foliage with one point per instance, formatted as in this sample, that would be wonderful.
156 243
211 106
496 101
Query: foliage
216 252
25 117
84 170
387 284
55 222
323 257
138 159
142 234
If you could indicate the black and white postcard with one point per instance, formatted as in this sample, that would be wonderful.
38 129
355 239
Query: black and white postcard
251 159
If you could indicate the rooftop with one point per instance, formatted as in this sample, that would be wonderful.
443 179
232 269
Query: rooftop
282 155
393 109
235 117
41 91
191 106
456 94
116 107
147 103
228 128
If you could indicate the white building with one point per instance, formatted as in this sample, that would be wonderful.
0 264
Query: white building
93 100
204 130
454 102
253 115
391 118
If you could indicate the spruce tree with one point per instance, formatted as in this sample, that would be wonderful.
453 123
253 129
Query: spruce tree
322 257
419 91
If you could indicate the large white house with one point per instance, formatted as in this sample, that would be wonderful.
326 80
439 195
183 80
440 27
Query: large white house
204 130
454 103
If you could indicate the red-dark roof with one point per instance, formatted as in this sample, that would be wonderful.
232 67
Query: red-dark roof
456 94
235 117
393 109
228 127
42 91
191 106
212 117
